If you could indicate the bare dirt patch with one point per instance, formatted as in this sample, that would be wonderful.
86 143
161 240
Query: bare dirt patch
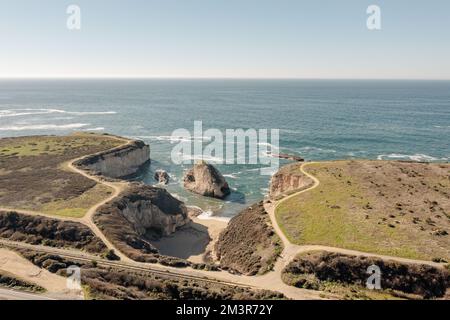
14 264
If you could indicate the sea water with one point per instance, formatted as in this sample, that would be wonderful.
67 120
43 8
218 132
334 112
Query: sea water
317 119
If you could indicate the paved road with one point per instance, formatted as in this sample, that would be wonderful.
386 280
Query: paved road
10 294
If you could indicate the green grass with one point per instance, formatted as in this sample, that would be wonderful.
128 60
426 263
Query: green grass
77 207
36 177
332 215
52 145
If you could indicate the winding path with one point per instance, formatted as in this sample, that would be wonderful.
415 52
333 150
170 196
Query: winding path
87 218
270 281
291 250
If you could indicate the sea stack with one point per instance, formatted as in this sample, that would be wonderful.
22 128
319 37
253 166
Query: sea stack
161 176
206 180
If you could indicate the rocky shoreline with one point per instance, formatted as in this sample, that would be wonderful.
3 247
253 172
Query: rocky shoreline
145 222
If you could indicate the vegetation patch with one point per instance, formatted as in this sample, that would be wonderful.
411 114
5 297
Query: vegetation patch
34 174
386 207
12 282
347 275
39 230
117 283
249 244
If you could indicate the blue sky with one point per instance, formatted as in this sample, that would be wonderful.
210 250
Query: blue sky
226 38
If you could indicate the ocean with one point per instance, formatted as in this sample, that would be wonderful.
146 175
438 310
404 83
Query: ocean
317 119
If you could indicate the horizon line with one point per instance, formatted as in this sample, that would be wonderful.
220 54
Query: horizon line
132 77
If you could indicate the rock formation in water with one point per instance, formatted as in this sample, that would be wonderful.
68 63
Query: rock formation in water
286 156
206 180
287 179
161 176
118 162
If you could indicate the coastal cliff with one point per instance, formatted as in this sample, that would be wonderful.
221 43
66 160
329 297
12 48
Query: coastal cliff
288 179
118 162
138 215
150 208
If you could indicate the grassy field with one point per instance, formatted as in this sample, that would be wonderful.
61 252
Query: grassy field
34 173
393 208
53 145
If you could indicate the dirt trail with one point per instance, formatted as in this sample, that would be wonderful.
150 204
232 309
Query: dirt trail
117 188
13 263
270 281
291 250
87 219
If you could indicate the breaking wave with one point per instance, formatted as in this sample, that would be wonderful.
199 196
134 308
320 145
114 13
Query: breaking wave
39 111
233 175
173 139
414 157
44 127
209 215
266 144
95 129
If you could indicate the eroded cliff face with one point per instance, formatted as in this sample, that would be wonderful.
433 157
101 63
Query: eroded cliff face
149 209
288 179
119 162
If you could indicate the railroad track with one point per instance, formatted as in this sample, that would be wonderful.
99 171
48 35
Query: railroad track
84 257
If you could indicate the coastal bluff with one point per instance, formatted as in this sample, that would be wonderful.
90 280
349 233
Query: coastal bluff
119 162
288 179
140 214
151 208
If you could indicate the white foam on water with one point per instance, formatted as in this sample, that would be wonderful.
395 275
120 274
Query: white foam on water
271 146
316 149
95 129
187 157
38 111
209 215
413 157
173 139
178 197
44 127
231 175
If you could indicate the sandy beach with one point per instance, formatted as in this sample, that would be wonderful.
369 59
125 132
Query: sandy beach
193 242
